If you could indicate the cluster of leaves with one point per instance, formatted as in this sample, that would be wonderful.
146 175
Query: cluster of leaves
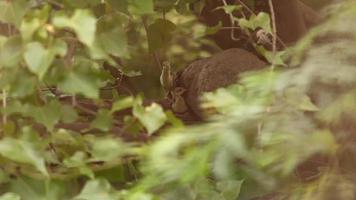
52 59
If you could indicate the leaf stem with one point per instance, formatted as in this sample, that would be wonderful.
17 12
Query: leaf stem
274 29
232 33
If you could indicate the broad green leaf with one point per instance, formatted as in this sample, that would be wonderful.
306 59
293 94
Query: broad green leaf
262 20
230 189
37 58
164 5
79 161
38 189
152 117
10 196
140 7
103 121
24 86
59 47
29 27
11 51
229 9
172 119
75 83
48 115
307 105
119 5
68 114
97 189
107 149
86 78
111 35
300 100
114 42
213 29
122 104
17 107
160 34
23 152
2 40
132 125
82 22
13 11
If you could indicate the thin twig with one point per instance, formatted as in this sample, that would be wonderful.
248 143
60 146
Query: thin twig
74 100
232 33
253 13
246 7
274 29
230 27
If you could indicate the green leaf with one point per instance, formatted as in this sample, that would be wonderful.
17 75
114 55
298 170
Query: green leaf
75 83
211 30
10 196
68 114
230 189
140 7
262 20
79 161
34 20
307 105
47 115
299 100
275 59
229 9
23 152
103 120
11 51
24 86
152 117
37 58
59 47
119 5
38 189
13 11
107 149
122 104
160 34
97 189
28 28
172 119
132 125
111 37
2 40
164 5
82 22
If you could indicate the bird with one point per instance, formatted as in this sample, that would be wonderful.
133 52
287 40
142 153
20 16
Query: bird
167 77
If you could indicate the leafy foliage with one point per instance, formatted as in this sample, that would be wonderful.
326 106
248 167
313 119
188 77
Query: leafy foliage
69 132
